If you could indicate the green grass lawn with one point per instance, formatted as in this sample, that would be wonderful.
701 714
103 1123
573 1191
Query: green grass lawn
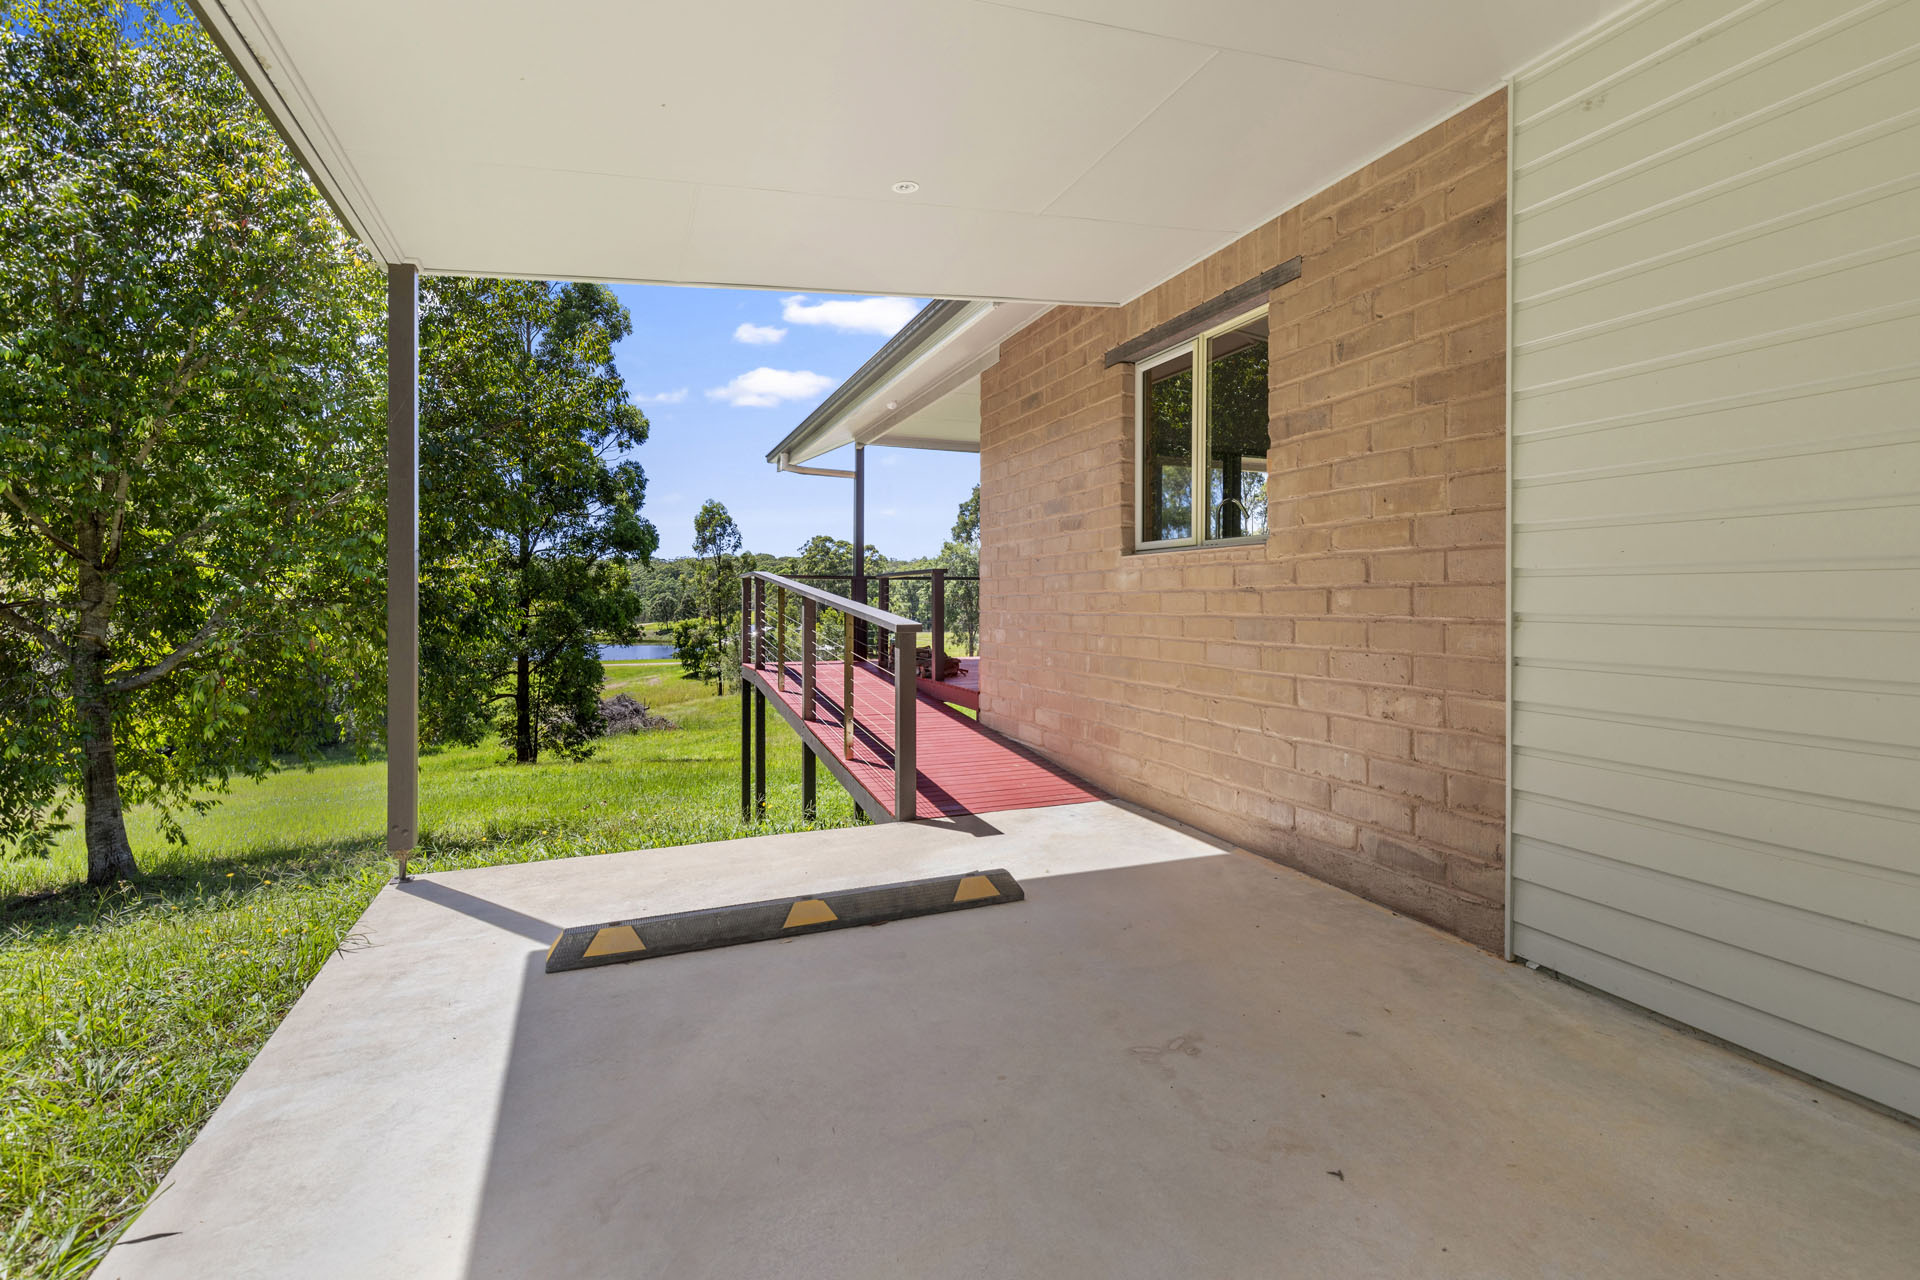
126 1016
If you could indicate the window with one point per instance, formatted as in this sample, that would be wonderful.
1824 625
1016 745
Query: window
1203 438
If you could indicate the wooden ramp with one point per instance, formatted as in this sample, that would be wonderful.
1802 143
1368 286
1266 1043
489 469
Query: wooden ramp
964 768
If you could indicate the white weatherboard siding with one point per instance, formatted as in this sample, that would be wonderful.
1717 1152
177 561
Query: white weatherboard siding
1716 525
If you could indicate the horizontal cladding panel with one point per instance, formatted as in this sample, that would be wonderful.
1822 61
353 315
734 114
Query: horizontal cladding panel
1872 1020
1883 717
1886 467
1794 358
1883 840
1884 599
1875 406
1885 535
1836 888
1631 325
1670 274
1700 62
1897 1084
1837 176
1839 774
1683 154
1878 961
1716 524
1611 55
1861 659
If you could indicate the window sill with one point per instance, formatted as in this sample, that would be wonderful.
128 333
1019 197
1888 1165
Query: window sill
1217 544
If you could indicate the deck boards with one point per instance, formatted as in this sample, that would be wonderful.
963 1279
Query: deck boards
964 767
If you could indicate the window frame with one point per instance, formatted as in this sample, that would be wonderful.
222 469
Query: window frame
1199 481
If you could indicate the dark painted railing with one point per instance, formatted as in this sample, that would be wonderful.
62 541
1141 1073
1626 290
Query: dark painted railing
767 602
937 579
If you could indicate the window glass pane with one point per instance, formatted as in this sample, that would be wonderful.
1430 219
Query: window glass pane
1166 507
1237 431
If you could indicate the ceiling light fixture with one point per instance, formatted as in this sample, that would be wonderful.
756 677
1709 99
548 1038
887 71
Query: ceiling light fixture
905 188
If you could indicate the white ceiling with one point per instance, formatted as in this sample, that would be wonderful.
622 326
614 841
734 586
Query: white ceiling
1066 150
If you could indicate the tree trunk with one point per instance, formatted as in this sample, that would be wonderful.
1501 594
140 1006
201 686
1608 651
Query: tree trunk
109 856
525 749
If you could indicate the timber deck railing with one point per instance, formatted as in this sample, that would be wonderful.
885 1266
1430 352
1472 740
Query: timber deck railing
824 627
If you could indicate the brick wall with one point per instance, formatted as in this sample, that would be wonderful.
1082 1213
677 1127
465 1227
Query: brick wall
1334 697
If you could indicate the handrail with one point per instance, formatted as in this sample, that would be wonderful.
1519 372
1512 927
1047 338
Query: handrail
905 665
937 577
951 576
864 612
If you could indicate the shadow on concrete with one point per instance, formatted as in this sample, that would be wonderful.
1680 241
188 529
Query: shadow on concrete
480 909
1206 1066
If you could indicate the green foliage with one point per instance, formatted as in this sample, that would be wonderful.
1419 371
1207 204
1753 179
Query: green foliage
126 1017
666 588
190 433
966 524
529 516
716 545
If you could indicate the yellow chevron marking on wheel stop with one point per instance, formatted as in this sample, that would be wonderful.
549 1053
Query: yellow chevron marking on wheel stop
809 911
618 940
975 887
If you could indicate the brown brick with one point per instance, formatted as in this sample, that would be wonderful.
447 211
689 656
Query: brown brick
1377 808
1373 533
1412 780
1477 491
1333 697
1400 856
1464 753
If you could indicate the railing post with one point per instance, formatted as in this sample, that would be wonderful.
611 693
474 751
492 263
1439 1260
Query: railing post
809 613
937 606
746 613
780 638
759 625
886 606
906 702
846 690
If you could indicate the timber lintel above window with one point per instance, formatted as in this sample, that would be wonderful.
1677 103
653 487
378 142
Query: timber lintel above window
1189 324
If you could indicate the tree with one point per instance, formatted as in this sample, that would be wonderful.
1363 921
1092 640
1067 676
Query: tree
702 640
529 516
716 544
966 525
190 372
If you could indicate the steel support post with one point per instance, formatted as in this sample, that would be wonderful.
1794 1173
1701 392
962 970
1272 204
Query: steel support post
759 756
746 751
403 562
858 589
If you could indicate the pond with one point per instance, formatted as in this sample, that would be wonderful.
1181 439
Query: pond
632 652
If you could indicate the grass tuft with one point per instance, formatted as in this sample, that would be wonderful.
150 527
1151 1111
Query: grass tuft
126 1015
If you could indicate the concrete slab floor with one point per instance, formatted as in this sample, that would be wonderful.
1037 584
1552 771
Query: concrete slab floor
1171 1058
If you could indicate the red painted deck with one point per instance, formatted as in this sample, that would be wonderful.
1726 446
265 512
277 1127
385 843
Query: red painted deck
964 768
963 688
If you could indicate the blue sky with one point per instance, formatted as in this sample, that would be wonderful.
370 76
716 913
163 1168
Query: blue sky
723 374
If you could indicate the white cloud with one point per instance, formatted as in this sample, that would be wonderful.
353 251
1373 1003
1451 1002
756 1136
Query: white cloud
763 388
884 316
665 397
759 335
